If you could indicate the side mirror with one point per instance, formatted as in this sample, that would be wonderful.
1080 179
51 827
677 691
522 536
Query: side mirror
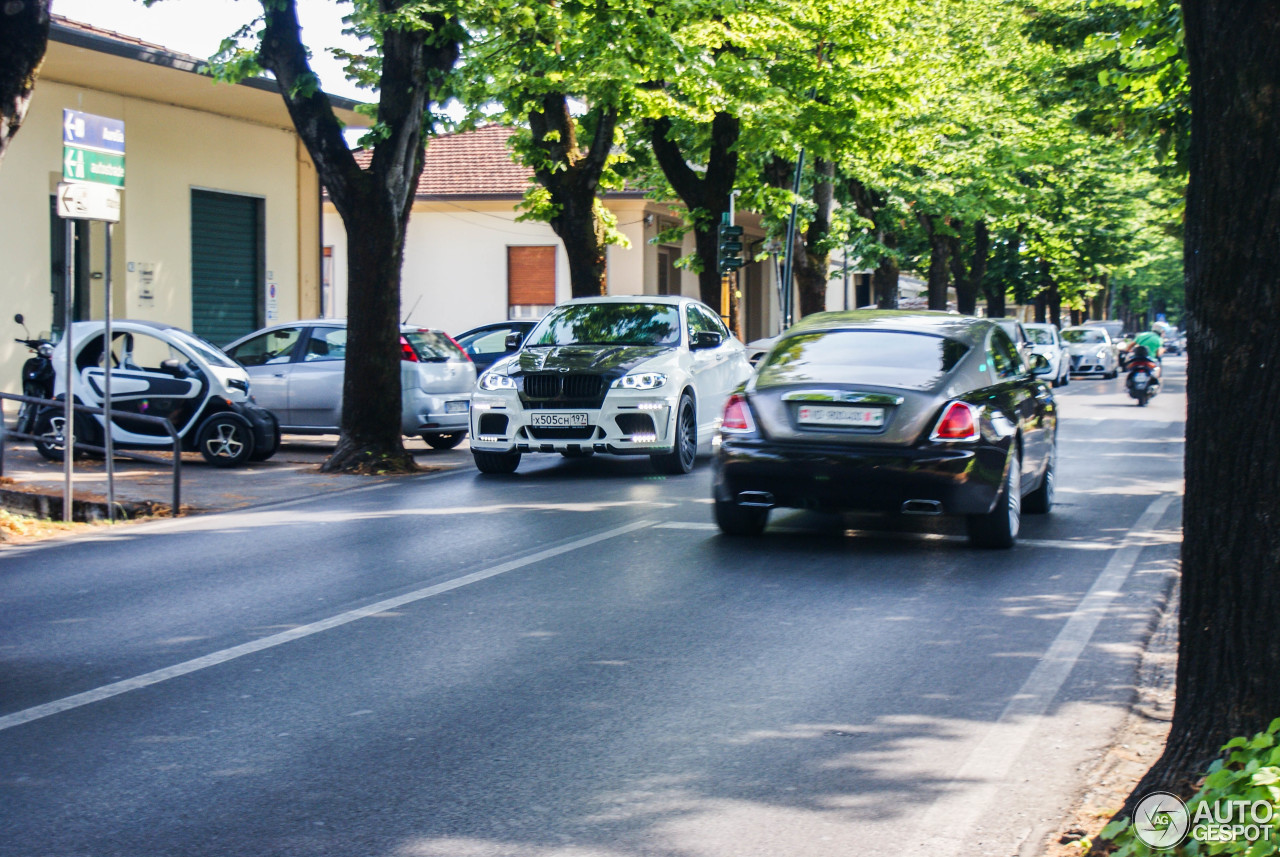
1039 364
513 340
705 339
19 319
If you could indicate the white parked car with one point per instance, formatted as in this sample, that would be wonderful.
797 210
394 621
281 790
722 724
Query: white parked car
297 370
1092 351
620 375
1046 342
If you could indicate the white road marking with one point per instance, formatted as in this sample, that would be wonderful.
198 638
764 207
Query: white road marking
214 659
951 819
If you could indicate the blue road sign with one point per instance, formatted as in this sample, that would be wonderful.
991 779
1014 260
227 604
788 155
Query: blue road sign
92 132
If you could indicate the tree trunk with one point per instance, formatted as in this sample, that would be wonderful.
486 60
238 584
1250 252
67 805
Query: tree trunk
707 191
1229 652
374 204
884 279
813 266
939 248
573 180
24 32
969 282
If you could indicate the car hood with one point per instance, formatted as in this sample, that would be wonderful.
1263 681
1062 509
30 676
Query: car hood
603 359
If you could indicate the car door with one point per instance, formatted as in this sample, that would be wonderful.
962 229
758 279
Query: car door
267 357
315 382
149 376
1024 399
706 365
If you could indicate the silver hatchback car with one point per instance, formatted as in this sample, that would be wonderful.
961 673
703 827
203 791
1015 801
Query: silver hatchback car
296 369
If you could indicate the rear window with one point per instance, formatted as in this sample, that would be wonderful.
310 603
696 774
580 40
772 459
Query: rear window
912 361
433 347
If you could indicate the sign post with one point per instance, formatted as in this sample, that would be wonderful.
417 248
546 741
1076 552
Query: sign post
93 175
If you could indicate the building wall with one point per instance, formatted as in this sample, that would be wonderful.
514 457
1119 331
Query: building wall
169 151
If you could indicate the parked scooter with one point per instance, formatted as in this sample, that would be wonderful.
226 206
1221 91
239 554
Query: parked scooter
1143 380
37 377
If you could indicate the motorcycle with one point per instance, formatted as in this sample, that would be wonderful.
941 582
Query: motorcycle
1143 381
37 377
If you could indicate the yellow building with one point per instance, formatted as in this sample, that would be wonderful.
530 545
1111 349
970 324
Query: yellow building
220 217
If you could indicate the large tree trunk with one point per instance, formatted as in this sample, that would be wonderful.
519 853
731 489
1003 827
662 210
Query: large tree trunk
939 250
708 191
573 180
813 267
374 204
1229 651
969 282
24 34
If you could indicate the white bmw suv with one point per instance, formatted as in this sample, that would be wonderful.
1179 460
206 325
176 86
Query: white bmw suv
641 375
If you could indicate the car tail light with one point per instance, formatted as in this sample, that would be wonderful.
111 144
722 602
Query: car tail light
737 415
406 351
959 422
462 350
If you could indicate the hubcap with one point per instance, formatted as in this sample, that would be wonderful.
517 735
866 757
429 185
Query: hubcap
225 442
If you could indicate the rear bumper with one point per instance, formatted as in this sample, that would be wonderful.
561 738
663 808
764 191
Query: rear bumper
926 480
445 413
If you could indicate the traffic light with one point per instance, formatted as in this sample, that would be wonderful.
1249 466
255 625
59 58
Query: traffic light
730 247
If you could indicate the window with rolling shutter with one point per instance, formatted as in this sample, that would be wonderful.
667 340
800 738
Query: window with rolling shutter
531 281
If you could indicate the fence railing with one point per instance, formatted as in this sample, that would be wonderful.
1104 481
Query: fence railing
6 433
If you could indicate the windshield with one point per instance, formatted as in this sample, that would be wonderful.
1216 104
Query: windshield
1040 335
1081 335
608 324
913 361
211 353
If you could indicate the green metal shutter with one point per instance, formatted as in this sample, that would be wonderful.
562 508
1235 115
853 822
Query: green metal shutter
226 265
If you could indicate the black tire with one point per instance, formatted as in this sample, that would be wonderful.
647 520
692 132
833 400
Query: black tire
496 462
264 454
577 453
684 451
446 440
49 425
999 527
225 440
1040 501
735 520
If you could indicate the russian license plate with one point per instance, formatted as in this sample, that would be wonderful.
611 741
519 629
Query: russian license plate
841 416
554 420
456 407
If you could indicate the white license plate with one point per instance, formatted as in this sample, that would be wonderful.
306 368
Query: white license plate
838 415
456 407
544 420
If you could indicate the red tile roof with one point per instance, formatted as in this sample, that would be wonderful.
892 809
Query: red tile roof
469 164
90 29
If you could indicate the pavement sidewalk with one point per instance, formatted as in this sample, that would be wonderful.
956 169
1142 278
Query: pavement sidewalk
32 485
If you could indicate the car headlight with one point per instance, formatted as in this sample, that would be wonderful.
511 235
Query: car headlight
1102 354
640 381
493 381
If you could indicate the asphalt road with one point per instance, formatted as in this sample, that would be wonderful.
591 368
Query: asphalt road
572 662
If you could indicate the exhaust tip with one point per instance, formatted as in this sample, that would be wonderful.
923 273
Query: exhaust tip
759 499
922 507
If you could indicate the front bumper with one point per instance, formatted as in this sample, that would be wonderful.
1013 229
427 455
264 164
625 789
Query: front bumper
931 479
627 423
1083 364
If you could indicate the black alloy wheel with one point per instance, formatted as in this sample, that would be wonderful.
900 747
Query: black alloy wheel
443 440
496 462
225 440
1040 501
684 450
999 527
